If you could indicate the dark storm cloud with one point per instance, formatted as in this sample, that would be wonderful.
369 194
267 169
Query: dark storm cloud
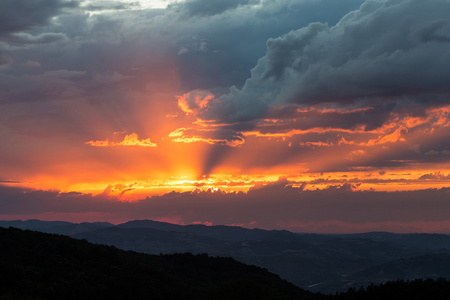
17 16
210 51
391 51
224 46
21 15
436 31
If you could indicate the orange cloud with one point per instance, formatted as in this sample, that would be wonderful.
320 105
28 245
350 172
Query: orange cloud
393 137
128 140
118 190
295 132
435 176
180 136
396 129
195 100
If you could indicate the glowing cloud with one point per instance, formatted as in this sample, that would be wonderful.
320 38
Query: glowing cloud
194 101
187 135
128 140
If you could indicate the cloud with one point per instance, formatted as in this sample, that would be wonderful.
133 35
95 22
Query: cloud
117 190
33 64
363 59
110 5
195 100
5 60
21 15
434 176
213 137
222 40
361 77
216 52
10 181
192 8
25 201
436 152
28 39
46 86
129 140
329 139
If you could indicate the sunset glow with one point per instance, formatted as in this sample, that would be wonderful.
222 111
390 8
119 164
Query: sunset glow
165 104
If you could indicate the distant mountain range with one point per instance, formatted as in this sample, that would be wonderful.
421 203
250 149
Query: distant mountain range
317 262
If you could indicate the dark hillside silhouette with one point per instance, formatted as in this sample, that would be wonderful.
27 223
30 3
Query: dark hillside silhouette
48 266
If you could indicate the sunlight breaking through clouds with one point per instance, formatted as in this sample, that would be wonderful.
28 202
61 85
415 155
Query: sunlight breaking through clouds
135 99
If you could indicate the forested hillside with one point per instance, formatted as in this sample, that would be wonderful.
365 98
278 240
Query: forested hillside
37 265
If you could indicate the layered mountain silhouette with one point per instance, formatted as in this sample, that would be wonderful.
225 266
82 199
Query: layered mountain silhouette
316 262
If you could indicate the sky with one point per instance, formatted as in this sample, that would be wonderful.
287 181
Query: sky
327 116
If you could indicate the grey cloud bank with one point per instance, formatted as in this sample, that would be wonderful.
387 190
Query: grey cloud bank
387 51
210 49
20 15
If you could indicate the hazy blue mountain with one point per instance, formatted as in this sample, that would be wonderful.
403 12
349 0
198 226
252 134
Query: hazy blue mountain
153 241
150 224
421 241
59 227
35 224
226 233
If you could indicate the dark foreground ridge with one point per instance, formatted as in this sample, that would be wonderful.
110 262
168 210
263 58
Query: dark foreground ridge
37 265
